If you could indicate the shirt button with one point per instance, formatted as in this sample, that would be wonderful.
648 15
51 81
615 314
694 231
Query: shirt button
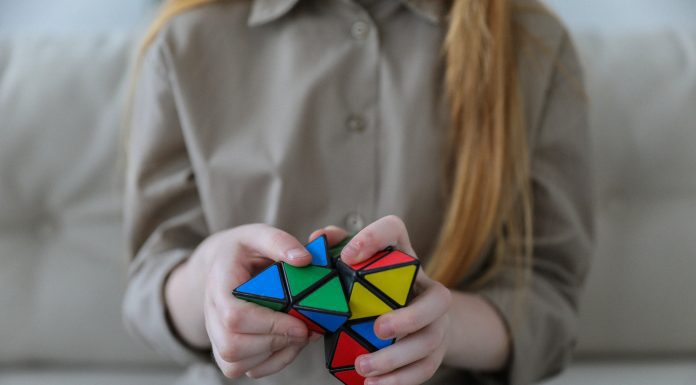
359 30
354 222
355 123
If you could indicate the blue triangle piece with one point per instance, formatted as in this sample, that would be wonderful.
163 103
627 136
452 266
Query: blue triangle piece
265 284
318 250
330 322
367 331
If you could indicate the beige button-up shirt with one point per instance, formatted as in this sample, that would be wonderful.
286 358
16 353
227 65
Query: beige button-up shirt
302 114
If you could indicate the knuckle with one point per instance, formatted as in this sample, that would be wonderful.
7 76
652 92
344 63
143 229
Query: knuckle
393 380
280 239
228 353
273 325
385 363
229 349
395 220
444 292
429 366
432 343
286 360
440 336
367 239
233 320
232 371
279 342
408 322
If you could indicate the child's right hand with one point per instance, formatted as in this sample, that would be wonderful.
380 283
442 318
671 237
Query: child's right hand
247 338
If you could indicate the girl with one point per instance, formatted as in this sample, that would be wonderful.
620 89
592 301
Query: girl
453 130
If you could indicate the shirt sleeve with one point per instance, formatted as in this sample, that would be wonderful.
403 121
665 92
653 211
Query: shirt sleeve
163 217
542 316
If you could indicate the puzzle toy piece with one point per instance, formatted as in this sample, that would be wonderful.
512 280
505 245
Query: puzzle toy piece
376 286
343 347
338 300
312 293
379 284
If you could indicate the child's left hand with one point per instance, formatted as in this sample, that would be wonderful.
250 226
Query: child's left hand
421 328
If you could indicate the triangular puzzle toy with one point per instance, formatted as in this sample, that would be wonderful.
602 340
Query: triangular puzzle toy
336 299
312 293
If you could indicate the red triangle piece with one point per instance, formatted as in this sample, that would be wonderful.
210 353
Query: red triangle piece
396 257
373 258
311 325
350 377
347 350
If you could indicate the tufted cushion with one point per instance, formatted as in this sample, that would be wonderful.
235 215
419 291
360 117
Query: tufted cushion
63 269
642 89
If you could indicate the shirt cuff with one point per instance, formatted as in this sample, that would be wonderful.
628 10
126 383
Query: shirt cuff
509 373
145 311
535 327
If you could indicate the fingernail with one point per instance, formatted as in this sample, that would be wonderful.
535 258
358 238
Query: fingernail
297 333
385 330
296 254
365 365
372 381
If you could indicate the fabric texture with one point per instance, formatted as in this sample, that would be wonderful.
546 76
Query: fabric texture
63 266
301 114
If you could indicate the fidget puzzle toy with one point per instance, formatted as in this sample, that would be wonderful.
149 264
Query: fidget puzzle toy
338 300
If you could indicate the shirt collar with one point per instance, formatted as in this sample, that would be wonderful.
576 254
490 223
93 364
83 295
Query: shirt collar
264 11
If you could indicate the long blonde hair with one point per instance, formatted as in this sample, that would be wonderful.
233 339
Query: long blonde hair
487 161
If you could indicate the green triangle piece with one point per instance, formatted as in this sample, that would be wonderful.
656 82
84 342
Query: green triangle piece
300 278
269 304
329 296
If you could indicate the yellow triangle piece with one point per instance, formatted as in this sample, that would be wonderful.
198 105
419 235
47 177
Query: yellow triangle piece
395 283
365 304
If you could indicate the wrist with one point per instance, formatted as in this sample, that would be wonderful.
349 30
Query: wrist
478 338
184 294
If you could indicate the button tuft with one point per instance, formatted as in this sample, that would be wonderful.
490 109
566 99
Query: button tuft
360 30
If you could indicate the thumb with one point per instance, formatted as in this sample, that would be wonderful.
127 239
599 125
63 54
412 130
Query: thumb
274 244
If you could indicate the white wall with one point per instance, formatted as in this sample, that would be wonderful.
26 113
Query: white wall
79 16
72 16
626 15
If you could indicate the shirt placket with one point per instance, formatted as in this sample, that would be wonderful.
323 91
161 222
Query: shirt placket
361 120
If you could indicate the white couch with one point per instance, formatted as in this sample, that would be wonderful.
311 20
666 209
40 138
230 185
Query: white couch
62 268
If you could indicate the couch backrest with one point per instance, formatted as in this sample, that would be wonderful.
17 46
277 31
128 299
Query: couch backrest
62 265
62 270
642 89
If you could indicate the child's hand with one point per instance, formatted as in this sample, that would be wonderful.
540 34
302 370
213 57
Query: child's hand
421 328
247 338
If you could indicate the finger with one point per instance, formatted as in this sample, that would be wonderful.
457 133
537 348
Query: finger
237 369
239 316
425 309
314 337
276 362
413 374
386 231
273 243
405 351
234 347
334 234
238 347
